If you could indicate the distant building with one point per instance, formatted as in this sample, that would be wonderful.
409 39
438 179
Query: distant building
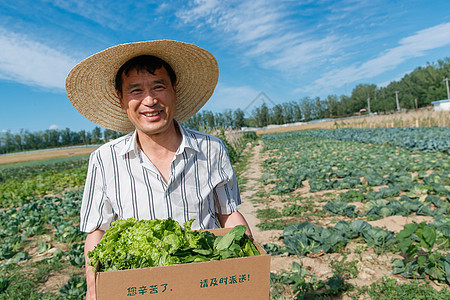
441 105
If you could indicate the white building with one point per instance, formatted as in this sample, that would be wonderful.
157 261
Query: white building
441 105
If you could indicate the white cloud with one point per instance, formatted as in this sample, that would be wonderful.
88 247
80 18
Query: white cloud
32 63
244 22
410 47
309 52
266 32
200 9
53 126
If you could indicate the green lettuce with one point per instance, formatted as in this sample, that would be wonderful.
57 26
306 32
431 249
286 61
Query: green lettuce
131 244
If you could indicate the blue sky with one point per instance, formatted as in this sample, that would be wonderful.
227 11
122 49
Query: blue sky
286 49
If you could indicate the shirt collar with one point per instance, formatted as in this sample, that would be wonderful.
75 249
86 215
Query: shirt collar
187 141
130 144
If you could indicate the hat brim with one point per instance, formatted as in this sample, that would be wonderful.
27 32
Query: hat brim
90 85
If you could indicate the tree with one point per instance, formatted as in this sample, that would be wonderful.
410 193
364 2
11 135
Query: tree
296 111
238 116
307 107
358 99
276 116
319 109
261 116
332 104
66 137
228 118
208 118
288 112
96 137
109 134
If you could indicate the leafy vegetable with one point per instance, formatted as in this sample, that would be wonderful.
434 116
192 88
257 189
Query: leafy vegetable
416 242
131 244
305 238
74 289
341 208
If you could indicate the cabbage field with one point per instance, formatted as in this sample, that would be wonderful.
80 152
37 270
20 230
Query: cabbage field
346 213
327 188
41 255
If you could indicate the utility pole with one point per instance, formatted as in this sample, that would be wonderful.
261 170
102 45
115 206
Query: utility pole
368 104
396 100
448 91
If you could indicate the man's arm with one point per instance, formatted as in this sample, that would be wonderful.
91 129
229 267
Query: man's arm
92 240
233 219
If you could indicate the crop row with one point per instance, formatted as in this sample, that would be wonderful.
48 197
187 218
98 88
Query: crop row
21 171
427 139
305 238
374 173
331 164
17 191
41 237
380 168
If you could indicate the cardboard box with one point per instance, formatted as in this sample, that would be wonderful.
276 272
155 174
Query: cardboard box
235 278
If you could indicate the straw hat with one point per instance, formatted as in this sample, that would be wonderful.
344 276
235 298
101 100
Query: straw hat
90 84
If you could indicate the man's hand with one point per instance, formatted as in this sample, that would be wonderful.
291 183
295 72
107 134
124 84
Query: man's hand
92 240
233 219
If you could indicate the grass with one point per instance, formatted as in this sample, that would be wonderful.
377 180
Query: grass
24 282
297 283
268 213
388 289
345 269
293 210
242 165
278 224
306 286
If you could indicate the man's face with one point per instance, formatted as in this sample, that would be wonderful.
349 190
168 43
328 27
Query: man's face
149 100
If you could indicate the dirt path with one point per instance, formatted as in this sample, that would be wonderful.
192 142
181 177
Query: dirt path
248 208
251 203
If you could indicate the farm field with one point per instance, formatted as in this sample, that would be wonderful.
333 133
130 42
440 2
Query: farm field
41 255
423 117
45 155
334 213
343 217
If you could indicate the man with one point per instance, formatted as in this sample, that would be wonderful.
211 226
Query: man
159 169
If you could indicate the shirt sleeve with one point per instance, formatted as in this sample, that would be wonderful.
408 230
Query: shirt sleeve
226 193
96 210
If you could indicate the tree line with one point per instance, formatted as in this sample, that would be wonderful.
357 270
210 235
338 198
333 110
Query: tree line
52 138
415 90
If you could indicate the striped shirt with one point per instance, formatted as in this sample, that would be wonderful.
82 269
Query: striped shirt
123 183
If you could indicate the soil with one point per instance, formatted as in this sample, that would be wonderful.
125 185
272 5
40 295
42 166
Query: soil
371 266
45 154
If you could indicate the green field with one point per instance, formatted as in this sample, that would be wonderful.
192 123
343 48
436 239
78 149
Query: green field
331 183
324 187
